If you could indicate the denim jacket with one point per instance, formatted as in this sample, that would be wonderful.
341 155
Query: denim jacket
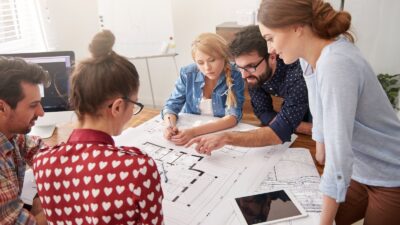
189 91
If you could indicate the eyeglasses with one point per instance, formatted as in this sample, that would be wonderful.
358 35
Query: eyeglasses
137 105
251 69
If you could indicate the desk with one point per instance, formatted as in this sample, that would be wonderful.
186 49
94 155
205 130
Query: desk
62 132
200 185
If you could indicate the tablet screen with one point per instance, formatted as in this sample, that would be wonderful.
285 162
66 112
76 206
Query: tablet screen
268 207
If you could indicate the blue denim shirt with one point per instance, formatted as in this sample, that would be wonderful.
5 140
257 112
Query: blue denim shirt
189 91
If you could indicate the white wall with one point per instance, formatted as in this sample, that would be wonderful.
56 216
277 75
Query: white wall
71 28
193 17
70 25
377 30
141 26
375 24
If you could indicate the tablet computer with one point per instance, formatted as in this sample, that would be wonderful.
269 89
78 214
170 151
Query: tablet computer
267 207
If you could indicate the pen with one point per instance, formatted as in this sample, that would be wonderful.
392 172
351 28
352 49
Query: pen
164 172
171 126
170 122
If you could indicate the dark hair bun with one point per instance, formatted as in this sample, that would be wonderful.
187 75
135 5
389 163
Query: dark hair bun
102 44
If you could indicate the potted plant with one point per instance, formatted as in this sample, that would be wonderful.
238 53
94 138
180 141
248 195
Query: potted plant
391 85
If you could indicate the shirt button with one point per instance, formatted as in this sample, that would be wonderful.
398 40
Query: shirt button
270 89
339 177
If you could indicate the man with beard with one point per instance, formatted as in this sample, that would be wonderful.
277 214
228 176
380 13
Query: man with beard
19 108
265 75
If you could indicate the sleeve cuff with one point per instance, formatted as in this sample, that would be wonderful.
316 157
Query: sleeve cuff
282 129
333 185
234 112
317 136
167 111
266 117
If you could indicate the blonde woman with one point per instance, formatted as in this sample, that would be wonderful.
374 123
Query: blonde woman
210 86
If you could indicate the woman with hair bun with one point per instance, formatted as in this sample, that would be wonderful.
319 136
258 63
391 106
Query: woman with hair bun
210 86
89 180
352 117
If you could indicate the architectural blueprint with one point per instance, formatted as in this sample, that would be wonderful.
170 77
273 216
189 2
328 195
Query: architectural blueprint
198 188
296 172
304 185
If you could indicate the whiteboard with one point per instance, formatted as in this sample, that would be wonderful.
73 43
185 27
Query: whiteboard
141 27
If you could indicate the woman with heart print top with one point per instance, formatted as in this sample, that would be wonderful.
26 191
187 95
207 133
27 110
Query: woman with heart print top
89 180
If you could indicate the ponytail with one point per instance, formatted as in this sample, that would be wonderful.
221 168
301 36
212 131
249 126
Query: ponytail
231 97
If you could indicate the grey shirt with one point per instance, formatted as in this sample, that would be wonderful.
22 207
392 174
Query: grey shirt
353 117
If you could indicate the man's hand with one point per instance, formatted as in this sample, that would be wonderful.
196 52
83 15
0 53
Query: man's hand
37 212
208 143
41 218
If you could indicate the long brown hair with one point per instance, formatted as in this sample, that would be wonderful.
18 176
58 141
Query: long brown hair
103 76
325 22
217 47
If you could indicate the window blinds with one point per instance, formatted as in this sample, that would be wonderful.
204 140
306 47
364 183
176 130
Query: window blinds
20 28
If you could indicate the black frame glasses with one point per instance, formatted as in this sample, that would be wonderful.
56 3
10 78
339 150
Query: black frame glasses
135 109
251 69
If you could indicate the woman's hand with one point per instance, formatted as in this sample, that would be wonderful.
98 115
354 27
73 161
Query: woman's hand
320 153
169 132
170 129
183 136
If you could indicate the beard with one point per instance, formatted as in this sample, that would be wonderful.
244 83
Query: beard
261 79
20 128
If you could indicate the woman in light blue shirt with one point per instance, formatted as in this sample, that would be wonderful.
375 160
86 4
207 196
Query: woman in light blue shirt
353 119
210 86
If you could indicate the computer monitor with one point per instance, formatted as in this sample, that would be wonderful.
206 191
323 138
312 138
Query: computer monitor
55 97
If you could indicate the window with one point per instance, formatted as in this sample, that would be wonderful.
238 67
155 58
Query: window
20 27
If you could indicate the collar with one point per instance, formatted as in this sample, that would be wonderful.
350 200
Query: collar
279 74
90 136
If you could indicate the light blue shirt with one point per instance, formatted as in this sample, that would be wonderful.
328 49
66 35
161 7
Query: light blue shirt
353 117
189 91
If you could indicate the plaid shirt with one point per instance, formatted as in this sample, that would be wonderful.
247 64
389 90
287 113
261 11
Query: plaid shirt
14 154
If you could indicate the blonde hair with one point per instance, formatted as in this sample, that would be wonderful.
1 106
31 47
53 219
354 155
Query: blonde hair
217 47
101 77
325 22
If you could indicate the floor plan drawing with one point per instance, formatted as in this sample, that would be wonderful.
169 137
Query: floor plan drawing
196 187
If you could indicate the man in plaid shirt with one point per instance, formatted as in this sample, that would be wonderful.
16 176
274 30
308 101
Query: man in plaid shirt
19 109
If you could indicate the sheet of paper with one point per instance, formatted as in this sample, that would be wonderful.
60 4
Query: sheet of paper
199 187
29 188
296 172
